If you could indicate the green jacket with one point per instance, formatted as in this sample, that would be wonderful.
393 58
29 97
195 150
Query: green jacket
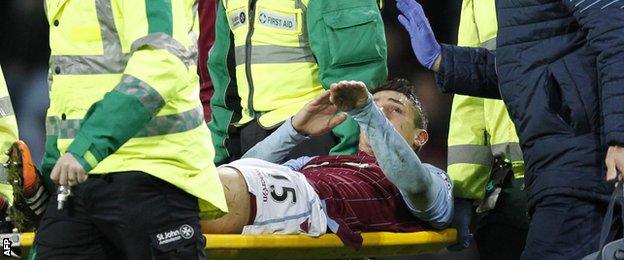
271 57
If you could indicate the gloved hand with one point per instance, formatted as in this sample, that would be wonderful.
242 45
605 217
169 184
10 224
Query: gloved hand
423 41
461 221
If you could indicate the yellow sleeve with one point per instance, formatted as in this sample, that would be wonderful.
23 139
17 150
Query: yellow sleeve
161 35
8 124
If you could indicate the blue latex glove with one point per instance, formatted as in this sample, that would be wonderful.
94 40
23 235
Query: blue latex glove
415 22
461 221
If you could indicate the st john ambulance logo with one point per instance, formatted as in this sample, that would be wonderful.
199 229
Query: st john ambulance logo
183 232
237 19
186 231
242 18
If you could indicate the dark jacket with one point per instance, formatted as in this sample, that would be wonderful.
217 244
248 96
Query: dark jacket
559 67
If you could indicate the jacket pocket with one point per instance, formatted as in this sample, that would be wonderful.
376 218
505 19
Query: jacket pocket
565 98
353 35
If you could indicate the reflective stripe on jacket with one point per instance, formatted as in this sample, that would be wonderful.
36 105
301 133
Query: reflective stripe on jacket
124 93
272 57
275 69
479 128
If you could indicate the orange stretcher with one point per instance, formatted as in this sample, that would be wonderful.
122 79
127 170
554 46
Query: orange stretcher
300 246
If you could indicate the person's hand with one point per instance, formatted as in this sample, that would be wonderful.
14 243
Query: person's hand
615 163
348 95
424 44
318 117
462 216
68 171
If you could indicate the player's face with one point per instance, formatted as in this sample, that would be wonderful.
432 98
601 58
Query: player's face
400 111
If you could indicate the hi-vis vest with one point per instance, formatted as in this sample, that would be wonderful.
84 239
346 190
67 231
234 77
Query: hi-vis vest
479 128
271 57
271 49
8 134
141 49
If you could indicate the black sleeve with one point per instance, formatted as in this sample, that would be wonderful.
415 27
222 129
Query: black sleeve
468 71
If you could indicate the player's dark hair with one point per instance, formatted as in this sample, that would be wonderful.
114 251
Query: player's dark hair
406 88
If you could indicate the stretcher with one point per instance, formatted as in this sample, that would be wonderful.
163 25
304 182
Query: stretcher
300 246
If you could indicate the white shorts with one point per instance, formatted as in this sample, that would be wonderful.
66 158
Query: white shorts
285 202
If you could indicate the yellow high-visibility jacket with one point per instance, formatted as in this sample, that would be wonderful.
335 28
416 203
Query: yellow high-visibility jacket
283 53
479 128
124 93
8 134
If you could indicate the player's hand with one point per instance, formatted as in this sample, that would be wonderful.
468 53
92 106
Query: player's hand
318 117
615 163
68 171
348 95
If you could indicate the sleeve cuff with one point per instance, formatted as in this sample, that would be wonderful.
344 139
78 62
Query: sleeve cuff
86 163
80 148
444 75
615 138
357 113
293 133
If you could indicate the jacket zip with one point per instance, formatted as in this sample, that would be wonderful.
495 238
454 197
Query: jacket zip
252 18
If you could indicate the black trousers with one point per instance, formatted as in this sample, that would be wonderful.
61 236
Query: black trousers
253 133
501 232
127 215
564 227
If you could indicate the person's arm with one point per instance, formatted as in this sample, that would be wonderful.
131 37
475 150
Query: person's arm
158 66
459 70
424 191
333 28
315 118
275 147
603 22
224 107
468 71
396 157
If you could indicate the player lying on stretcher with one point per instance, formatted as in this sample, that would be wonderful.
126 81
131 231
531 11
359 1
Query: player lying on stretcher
385 187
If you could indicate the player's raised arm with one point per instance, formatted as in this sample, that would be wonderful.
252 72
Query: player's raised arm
316 118
393 137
